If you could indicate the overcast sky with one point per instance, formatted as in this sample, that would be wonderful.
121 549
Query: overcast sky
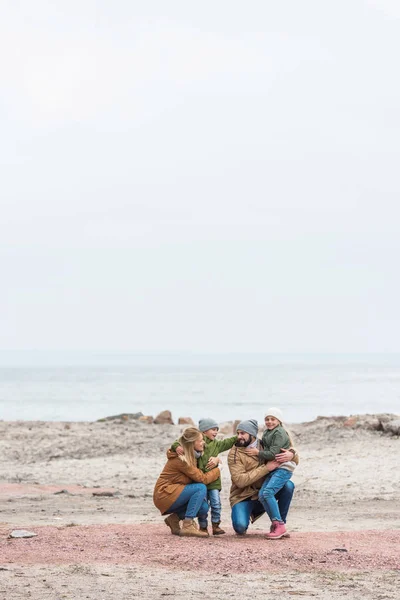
207 176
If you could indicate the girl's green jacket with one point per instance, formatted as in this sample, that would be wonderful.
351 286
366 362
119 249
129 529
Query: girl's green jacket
211 448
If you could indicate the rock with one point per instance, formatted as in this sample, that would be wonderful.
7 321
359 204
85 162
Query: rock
22 533
350 422
104 494
226 428
165 417
186 421
235 424
146 419
392 427
122 417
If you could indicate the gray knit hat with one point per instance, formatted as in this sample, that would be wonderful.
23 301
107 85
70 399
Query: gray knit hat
250 426
206 424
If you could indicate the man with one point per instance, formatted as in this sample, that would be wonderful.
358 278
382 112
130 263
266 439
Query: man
247 478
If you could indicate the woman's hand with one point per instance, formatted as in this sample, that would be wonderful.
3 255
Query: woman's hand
284 456
179 450
252 451
213 462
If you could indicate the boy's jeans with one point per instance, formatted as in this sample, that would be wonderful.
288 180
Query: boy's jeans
271 486
214 501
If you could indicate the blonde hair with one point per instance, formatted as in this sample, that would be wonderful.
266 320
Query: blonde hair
188 438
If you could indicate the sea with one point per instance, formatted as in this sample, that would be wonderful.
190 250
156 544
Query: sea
89 386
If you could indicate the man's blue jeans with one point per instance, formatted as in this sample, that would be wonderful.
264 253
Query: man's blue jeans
273 483
242 511
214 500
191 503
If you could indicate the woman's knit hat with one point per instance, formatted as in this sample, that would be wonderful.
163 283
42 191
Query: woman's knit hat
275 412
206 424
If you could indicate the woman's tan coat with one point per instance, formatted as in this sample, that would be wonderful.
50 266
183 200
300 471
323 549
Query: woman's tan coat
173 478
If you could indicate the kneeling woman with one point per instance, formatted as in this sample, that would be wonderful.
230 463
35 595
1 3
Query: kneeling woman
176 494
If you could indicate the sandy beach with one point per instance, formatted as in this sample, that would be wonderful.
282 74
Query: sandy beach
85 490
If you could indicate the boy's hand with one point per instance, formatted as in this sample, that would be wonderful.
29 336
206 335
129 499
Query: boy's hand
252 451
179 450
213 462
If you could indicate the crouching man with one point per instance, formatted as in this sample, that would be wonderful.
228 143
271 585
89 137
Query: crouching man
248 475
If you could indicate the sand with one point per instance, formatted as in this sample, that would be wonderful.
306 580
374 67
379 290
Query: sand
86 490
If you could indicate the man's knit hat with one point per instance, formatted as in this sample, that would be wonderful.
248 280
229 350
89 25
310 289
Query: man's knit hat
250 426
275 412
206 424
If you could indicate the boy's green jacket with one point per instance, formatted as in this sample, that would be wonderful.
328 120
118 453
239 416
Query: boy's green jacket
211 448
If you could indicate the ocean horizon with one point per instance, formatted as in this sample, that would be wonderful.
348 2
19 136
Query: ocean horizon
89 386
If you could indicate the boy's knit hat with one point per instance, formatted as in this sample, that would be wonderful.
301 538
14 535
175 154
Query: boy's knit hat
206 424
250 426
275 412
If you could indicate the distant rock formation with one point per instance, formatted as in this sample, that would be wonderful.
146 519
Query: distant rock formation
165 417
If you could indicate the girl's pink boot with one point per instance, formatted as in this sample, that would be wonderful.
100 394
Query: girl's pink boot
278 530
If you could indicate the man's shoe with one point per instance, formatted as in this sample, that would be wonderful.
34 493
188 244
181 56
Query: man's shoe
173 523
278 531
217 529
189 529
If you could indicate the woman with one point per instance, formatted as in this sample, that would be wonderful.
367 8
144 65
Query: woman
176 494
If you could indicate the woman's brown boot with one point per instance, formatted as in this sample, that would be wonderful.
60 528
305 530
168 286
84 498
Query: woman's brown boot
189 529
217 529
173 523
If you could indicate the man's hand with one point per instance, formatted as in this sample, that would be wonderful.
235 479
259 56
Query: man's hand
252 451
284 456
213 462
179 450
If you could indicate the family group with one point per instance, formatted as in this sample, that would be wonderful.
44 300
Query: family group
189 486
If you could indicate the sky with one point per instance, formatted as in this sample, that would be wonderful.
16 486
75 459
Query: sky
200 177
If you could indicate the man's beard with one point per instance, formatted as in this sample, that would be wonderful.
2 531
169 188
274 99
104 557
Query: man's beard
243 443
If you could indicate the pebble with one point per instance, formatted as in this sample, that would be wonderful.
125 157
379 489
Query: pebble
22 533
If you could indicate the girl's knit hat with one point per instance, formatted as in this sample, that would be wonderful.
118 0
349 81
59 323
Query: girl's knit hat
275 412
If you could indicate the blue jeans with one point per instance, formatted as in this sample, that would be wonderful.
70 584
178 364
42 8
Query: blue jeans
214 501
191 502
242 511
273 483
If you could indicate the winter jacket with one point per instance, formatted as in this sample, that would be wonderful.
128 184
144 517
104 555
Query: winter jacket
246 473
173 478
247 476
211 448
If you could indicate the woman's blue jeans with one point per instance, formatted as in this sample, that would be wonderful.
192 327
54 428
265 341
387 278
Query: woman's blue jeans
191 502
273 483
242 511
